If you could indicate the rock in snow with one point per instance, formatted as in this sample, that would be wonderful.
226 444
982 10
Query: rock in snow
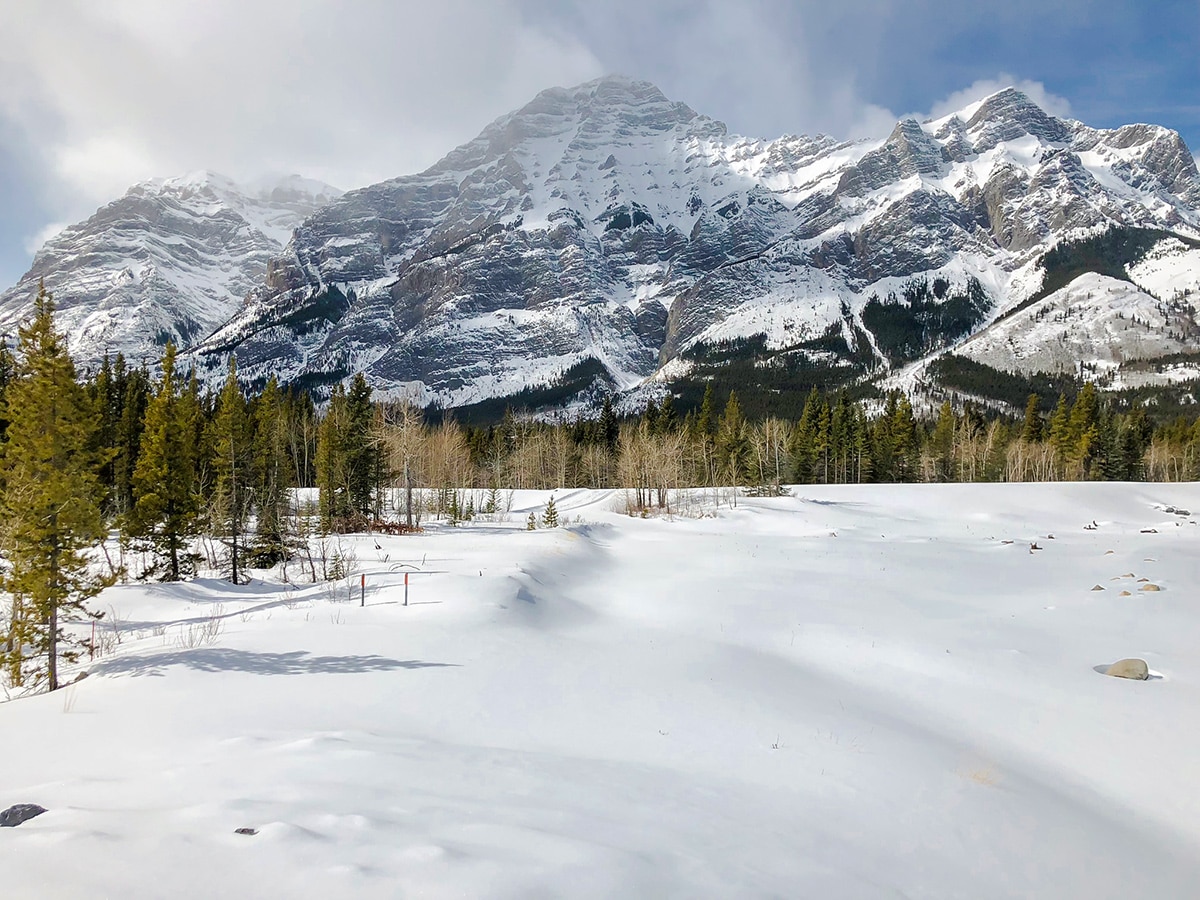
22 812
1129 668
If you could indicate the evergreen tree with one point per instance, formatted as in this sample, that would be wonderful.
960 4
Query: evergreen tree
51 505
733 446
907 441
803 448
165 503
942 442
610 428
233 469
362 455
650 416
707 421
273 471
1031 432
668 418
1060 432
8 373
550 516
334 504
1084 429
133 387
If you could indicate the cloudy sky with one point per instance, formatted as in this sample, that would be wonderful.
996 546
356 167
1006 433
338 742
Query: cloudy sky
95 96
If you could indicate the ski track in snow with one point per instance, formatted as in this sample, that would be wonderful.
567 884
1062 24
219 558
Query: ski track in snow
850 692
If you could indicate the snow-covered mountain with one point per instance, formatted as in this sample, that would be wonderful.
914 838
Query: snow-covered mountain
604 236
172 259
607 222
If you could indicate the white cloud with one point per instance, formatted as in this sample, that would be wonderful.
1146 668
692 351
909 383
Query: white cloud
34 242
1035 90
121 91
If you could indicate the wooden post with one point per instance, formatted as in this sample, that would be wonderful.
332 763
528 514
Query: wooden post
406 589
362 601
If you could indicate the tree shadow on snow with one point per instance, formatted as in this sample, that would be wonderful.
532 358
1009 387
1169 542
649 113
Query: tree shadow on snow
220 659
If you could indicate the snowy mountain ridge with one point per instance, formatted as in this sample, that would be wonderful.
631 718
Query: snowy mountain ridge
604 236
171 259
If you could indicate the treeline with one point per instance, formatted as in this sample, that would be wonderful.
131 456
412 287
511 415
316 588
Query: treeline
167 467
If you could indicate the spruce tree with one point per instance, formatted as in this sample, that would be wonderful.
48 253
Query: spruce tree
334 505
550 516
233 469
733 442
165 504
133 387
668 418
610 428
51 505
1031 431
362 454
8 372
274 473
1060 433
803 446
942 442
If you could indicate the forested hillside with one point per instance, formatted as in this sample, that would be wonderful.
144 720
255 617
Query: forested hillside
175 475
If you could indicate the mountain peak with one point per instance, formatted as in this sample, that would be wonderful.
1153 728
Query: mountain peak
619 97
596 112
1009 114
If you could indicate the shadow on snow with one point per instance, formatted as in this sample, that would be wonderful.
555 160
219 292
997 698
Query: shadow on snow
296 662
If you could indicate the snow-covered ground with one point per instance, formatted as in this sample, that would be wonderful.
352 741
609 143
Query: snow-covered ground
851 692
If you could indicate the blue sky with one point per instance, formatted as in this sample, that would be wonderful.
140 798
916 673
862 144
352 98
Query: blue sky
94 97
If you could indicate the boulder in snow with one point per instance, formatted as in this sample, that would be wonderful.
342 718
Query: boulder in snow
22 812
1129 668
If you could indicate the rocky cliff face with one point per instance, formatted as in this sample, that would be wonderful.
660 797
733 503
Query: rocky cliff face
171 260
606 225
607 222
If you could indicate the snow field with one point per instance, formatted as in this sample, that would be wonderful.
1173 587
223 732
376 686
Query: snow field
856 691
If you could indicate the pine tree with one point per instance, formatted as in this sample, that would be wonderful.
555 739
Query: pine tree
668 418
1031 432
165 504
803 446
650 416
362 453
334 504
133 387
733 442
942 442
531 522
1060 432
707 421
550 516
610 428
907 441
8 373
273 471
233 469
51 505
1084 427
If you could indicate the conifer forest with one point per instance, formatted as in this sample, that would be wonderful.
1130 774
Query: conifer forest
128 473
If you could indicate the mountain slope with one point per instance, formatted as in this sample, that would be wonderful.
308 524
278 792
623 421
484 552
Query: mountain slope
604 237
171 260
607 222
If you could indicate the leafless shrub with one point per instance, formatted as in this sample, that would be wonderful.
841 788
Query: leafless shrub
206 631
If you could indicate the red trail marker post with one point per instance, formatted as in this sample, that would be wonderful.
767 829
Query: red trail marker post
362 597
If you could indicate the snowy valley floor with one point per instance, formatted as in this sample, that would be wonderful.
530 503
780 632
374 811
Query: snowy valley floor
850 692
